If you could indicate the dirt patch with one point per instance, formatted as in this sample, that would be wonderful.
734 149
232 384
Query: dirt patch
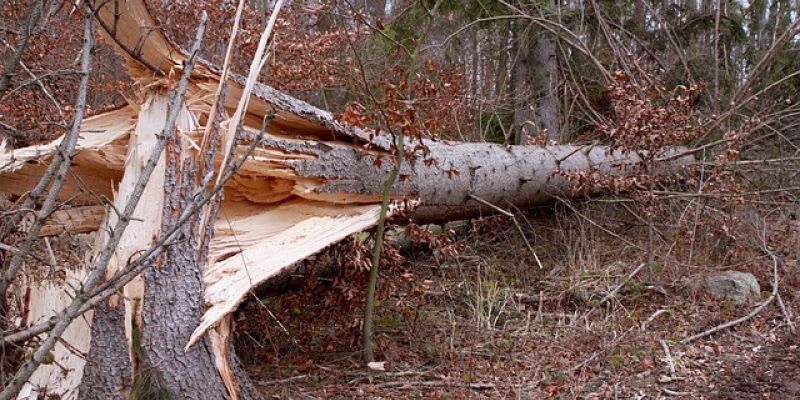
775 374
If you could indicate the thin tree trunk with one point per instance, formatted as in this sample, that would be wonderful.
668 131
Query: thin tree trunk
545 84
536 86
524 116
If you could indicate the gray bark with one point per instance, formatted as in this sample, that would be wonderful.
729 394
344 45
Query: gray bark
172 302
524 117
522 176
107 374
536 85
545 84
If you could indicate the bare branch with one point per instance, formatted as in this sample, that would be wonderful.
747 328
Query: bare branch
747 317
73 310
22 45
59 166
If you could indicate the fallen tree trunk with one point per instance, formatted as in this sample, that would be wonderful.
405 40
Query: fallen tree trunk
310 183
453 180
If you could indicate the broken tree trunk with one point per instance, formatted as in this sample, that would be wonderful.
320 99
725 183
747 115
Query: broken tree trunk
311 182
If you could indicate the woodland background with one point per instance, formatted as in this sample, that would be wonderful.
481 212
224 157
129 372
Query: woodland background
478 309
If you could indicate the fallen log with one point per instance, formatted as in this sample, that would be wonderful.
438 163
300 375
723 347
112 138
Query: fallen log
312 182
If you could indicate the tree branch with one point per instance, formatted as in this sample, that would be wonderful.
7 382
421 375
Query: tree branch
73 310
57 170
11 67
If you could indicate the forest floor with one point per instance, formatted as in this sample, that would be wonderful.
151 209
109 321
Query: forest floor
492 322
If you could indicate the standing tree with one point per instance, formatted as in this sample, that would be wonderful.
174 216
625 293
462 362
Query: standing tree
536 82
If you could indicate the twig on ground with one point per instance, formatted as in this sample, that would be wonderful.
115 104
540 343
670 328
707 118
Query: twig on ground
366 376
746 317
541 306
279 381
652 318
614 291
674 393
668 357
477 386
786 314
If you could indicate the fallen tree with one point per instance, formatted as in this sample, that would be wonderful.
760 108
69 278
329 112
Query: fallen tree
309 181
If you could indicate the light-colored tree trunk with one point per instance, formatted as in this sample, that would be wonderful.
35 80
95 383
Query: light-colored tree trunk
535 78
545 83
524 116
448 182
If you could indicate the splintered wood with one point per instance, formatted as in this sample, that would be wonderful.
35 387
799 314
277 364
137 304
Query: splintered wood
63 375
244 255
310 183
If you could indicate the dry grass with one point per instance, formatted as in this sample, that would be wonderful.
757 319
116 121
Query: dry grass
491 324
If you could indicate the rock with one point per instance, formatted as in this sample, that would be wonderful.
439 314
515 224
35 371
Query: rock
741 287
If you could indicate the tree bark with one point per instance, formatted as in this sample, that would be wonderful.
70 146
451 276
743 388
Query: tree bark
545 84
536 85
448 180
311 182
524 116
108 371
172 302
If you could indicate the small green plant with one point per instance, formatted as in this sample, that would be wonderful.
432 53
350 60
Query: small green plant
468 377
616 360
389 321
552 375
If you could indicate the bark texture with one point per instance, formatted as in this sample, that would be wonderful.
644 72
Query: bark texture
545 84
535 80
524 116
107 373
172 302
455 173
